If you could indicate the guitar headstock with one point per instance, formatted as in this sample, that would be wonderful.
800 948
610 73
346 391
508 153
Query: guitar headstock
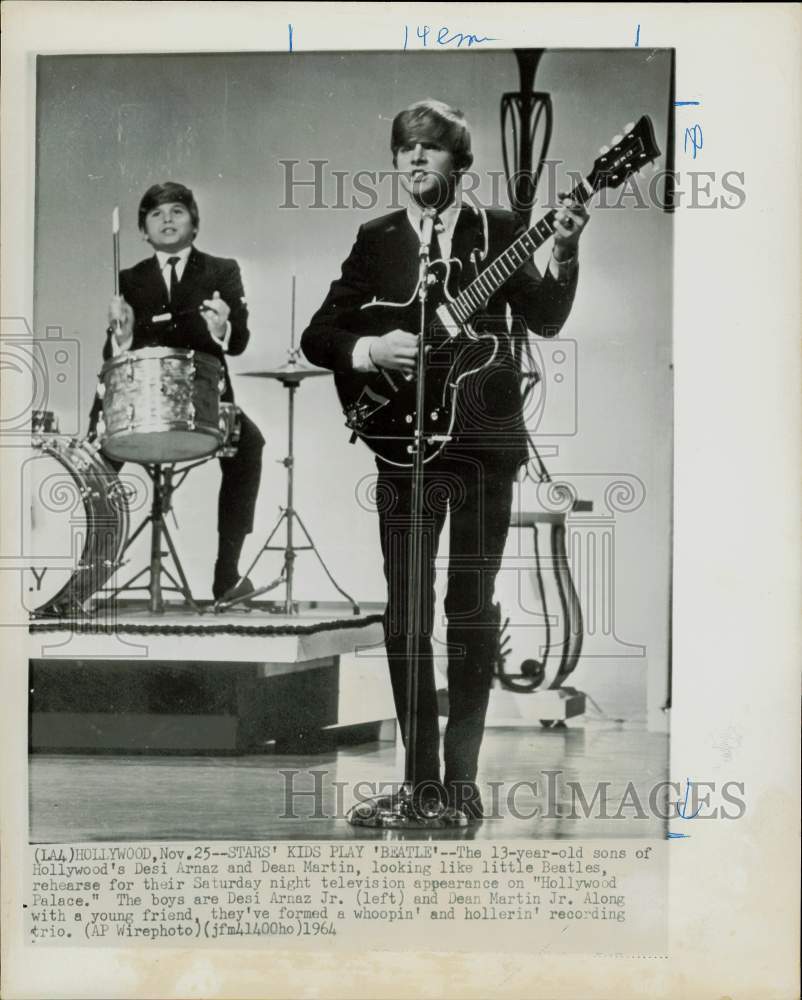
627 154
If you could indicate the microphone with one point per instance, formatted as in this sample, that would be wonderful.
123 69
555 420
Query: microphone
427 230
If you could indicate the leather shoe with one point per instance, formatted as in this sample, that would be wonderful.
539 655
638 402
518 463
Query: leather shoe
464 797
237 592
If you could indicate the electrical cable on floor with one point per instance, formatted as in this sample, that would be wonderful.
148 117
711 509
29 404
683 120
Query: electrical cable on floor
600 713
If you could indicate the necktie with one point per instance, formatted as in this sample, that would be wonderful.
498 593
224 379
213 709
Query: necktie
172 261
435 253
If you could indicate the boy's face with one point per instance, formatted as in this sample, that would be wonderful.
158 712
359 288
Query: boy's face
427 171
169 227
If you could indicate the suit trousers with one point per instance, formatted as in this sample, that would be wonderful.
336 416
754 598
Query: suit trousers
478 497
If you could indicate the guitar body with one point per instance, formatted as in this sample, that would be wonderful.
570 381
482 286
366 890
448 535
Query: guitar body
380 407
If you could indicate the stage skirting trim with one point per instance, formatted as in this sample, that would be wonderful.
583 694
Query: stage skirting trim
124 628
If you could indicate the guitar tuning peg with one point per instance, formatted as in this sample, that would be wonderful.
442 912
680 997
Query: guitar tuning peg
629 126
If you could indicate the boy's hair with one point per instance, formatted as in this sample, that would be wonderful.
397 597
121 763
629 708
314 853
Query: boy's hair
438 121
160 194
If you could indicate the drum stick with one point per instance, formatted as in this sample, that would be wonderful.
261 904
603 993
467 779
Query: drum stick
115 241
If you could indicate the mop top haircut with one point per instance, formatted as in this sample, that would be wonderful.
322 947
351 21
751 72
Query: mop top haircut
161 194
433 120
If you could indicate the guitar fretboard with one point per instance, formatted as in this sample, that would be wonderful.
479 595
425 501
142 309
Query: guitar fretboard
481 289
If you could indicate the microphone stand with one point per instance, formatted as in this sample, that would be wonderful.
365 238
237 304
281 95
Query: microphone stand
404 809
414 596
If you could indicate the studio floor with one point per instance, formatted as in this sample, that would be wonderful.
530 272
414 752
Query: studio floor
528 779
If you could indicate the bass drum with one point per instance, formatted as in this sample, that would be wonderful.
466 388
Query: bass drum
160 405
78 525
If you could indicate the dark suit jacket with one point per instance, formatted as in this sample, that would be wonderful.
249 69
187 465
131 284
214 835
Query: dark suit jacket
383 264
143 287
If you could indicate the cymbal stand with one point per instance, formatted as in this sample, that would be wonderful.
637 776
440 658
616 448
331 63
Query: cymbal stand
289 514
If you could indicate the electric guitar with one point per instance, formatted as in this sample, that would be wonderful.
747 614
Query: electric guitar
380 408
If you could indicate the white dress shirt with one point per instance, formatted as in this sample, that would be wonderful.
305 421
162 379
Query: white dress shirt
163 257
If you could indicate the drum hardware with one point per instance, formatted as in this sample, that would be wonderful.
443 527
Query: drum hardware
166 480
44 422
230 427
290 375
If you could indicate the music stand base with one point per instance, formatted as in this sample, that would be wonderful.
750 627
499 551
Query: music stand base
398 812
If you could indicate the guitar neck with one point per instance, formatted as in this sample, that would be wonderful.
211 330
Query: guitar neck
480 291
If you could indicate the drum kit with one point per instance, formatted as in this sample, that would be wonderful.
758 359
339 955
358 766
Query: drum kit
161 409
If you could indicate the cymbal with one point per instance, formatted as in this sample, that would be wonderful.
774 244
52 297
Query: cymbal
288 372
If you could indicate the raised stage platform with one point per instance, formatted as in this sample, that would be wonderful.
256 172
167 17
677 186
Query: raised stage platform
239 682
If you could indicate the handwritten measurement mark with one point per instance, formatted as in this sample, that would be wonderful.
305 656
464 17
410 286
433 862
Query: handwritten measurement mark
289 32
685 104
444 37
637 37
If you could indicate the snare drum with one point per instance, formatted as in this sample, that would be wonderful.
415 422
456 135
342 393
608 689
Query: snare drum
160 405
230 427
78 524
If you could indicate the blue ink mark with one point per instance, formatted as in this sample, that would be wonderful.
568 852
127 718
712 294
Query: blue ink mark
677 836
693 134
637 37
289 29
444 37
684 104
683 810
459 37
